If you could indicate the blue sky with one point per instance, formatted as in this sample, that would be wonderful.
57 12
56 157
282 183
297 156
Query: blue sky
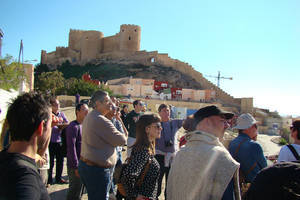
255 42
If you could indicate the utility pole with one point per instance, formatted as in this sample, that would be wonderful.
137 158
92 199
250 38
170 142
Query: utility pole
1 36
219 77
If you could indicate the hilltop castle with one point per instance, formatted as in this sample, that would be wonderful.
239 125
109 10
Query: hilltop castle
124 47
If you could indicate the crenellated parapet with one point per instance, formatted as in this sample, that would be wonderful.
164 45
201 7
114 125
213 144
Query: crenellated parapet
123 47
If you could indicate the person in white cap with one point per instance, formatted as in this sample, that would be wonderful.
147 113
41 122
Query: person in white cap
246 150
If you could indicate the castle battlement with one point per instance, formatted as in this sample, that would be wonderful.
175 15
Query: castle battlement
123 47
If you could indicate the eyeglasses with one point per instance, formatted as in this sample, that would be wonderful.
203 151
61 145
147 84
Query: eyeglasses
157 126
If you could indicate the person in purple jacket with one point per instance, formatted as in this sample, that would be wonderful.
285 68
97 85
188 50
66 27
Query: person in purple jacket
73 136
55 146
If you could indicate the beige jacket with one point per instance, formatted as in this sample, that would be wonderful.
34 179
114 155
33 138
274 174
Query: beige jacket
201 170
100 139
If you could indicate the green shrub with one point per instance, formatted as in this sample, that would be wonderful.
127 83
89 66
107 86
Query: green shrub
282 141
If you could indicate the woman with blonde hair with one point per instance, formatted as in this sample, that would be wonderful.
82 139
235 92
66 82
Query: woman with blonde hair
142 166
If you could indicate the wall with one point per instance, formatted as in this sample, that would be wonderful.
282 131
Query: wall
110 44
187 94
130 36
119 47
29 72
90 45
247 105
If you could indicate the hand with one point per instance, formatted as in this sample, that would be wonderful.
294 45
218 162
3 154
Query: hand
76 173
141 197
40 161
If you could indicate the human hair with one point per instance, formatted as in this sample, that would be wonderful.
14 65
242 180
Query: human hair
124 106
52 100
25 114
142 139
97 96
135 103
78 107
296 127
189 124
162 106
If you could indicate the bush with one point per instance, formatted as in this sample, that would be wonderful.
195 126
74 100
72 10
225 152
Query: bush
11 73
282 141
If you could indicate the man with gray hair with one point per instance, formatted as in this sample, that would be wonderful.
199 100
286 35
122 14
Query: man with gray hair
99 141
246 150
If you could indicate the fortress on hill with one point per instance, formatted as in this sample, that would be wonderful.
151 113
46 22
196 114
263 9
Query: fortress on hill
124 48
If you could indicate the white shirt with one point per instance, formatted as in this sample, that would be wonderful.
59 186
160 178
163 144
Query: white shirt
285 153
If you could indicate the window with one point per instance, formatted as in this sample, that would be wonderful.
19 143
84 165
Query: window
122 30
129 38
135 30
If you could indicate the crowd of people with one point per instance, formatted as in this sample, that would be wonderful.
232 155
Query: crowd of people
36 133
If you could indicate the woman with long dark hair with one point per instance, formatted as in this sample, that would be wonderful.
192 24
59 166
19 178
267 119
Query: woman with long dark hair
142 166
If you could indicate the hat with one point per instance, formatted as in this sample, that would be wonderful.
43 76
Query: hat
245 121
211 111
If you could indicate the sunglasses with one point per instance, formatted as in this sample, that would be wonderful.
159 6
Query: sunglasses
157 125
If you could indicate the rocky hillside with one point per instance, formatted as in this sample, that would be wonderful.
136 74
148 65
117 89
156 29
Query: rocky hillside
107 71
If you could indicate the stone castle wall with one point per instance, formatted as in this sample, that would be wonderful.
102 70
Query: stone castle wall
123 47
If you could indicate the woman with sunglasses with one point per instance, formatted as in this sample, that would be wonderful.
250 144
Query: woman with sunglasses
291 152
142 162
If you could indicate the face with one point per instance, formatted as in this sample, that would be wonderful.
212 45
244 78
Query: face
165 114
105 106
218 125
84 110
125 109
46 131
55 106
293 133
139 107
154 130
253 131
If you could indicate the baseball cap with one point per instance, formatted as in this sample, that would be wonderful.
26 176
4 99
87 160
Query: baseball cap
211 111
245 121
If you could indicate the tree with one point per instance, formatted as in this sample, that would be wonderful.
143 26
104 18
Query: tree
50 82
11 73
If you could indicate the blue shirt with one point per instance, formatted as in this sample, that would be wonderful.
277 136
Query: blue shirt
168 133
249 153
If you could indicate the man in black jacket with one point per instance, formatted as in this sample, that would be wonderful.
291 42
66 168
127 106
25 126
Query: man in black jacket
131 120
30 128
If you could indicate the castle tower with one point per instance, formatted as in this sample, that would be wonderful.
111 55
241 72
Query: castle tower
44 57
74 39
90 45
130 37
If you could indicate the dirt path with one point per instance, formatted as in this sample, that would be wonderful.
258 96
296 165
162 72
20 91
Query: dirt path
58 192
